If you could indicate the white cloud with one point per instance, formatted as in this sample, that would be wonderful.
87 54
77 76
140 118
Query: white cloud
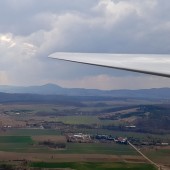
31 30
6 41
114 10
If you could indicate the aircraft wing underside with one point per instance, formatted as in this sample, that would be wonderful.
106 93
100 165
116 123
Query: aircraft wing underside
154 64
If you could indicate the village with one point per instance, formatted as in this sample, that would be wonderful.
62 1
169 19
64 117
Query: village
84 138
74 137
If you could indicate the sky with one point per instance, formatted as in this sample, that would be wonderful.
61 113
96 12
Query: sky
30 30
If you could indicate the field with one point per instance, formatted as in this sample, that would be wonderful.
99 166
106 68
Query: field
86 120
28 144
100 148
15 139
158 154
94 166
32 124
80 155
29 132
23 144
53 138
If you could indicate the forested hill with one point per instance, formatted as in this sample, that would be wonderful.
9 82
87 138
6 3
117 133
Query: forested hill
51 89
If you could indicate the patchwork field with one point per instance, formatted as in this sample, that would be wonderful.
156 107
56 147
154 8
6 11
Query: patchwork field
14 145
36 123
27 148
28 144
51 157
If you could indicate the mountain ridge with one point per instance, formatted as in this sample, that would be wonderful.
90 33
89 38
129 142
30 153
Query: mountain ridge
52 89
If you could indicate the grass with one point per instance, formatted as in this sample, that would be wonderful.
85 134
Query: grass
23 148
15 143
15 139
94 166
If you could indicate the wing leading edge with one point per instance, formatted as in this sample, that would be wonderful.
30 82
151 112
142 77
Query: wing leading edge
154 64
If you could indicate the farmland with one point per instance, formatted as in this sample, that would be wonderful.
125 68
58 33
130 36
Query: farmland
86 120
15 139
37 132
21 147
157 153
94 166
28 144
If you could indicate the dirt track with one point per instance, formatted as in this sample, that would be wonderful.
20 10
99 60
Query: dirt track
159 167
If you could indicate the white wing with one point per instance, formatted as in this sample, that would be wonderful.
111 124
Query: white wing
143 63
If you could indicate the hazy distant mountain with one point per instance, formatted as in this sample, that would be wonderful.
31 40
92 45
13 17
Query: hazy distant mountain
44 89
51 89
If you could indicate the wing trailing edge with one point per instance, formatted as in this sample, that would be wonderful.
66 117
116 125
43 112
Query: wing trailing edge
154 64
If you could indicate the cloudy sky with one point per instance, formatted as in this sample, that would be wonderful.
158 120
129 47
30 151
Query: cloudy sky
30 30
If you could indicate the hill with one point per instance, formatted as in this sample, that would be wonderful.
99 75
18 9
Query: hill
51 89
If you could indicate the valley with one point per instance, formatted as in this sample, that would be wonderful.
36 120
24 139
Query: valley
31 132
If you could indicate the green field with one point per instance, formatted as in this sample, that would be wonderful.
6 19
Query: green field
99 148
15 143
15 139
23 148
94 166
27 145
